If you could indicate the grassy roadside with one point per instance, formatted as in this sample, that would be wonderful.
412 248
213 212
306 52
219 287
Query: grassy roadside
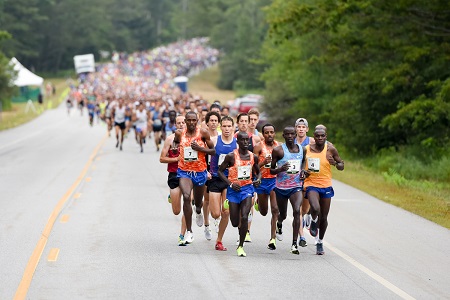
17 115
427 199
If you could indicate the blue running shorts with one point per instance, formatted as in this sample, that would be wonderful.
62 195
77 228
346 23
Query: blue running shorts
237 197
287 193
267 185
197 178
323 192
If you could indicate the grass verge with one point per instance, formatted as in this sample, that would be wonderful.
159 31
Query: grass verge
18 114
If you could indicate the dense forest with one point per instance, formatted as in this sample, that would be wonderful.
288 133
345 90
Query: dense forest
376 72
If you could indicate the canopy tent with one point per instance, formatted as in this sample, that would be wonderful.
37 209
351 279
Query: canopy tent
24 76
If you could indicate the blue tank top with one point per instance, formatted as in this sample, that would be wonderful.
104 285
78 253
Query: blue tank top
304 143
170 129
291 178
222 150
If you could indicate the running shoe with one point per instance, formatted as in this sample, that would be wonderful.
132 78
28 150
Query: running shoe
117 145
248 238
220 247
319 249
302 242
294 249
279 232
256 205
316 239
189 237
199 218
208 234
240 251
226 204
181 241
307 219
120 147
313 228
169 199
272 245
216 224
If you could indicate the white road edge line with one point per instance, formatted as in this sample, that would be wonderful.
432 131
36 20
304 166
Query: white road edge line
367 271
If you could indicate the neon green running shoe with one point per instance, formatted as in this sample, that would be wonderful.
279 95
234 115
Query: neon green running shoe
181 241
248 238
240 252
256 205
169 199
272 244
226 204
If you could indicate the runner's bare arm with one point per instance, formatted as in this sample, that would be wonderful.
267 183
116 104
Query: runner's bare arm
163 158
277 154
256 170
207 139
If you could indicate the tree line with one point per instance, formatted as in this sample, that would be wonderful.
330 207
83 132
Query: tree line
376 72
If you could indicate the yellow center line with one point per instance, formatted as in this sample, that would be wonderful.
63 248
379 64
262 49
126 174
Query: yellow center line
25 283
77 195
53 255
88 179
65 218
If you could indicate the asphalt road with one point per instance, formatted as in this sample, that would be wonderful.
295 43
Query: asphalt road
115 237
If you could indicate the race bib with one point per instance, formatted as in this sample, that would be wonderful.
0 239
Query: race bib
294 166
268 165
157 122
221 158
314 164
244 172
190 154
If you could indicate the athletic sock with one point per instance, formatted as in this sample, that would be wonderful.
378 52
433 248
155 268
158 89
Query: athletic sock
315 220
319 241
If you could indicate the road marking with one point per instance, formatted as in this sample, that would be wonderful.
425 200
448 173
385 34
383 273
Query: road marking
65 218
25 283
372 274
367 271
53 255
88 179
77 195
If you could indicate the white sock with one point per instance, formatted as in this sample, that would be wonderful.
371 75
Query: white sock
316 219
319 241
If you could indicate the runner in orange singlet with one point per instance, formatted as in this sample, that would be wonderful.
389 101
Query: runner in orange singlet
195 143
242 164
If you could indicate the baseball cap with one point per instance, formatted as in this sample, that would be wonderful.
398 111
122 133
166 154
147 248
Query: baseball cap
300 121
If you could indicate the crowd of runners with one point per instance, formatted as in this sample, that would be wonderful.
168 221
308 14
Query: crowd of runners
217 166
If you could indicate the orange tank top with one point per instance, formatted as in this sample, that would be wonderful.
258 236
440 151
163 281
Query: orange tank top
265 151
191 160
319 167
241 172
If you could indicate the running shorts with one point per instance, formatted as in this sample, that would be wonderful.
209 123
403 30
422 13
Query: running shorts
267 185
172 180
323 192
121 125
286 193
216 185
197 178
237 197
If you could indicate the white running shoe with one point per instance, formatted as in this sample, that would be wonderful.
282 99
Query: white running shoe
208 234
307 218
189 237
216 224
199 219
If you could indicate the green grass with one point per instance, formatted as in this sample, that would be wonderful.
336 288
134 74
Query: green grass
17 115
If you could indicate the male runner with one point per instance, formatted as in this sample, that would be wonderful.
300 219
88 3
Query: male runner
195 143
141 117
224 144
318 185
118 114
241 164
288 161
170 156
264 152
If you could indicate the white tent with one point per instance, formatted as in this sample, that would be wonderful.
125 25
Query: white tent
24 76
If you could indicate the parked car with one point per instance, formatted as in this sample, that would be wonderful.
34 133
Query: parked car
244 104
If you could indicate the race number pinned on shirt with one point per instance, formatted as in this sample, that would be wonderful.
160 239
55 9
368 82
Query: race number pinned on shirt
221 158
190 154
269 156
294 166
244 172
314 164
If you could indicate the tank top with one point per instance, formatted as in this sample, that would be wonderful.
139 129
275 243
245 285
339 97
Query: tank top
241 172
304 143
265 170
173 152
222 150
319 167
291 178
156 119
170 129
141 117
119 114
191 160
102 106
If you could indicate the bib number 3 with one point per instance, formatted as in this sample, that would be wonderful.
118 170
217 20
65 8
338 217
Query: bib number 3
294 166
